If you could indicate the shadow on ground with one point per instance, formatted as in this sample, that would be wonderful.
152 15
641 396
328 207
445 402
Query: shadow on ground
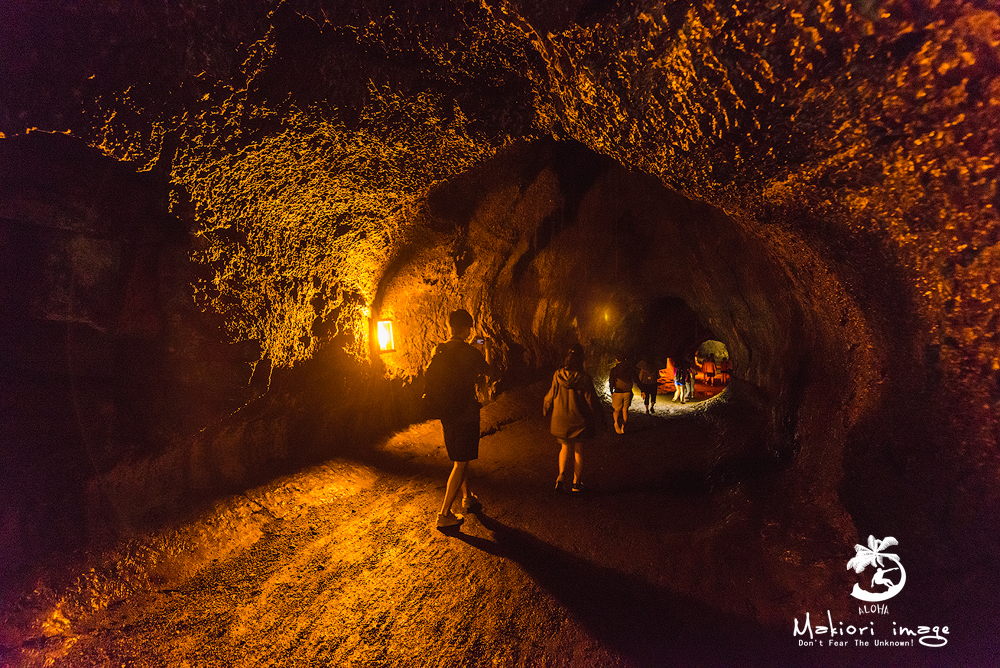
643 623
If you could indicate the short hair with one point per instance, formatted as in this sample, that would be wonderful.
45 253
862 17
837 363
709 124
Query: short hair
574 358
460 318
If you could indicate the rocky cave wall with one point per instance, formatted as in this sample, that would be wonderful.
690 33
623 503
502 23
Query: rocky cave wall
316 154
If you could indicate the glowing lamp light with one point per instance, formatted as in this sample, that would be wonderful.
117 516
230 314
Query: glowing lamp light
383 333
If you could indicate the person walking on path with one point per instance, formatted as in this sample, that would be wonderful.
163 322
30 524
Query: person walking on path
681 376
690 381
576 416
463 365
724 369
708 369
647 385
620 382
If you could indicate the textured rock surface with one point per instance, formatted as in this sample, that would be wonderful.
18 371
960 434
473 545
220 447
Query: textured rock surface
827 174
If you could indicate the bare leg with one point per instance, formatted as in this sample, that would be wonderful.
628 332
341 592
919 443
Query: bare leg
465 482
577 463
563 459
456 482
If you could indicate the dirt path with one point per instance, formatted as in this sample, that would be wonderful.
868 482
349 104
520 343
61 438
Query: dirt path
340 565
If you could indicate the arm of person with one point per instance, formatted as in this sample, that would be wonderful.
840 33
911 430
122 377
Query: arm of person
488 354
550 397
481 361
484 366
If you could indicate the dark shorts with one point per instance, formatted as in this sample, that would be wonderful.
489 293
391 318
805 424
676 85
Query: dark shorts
461 436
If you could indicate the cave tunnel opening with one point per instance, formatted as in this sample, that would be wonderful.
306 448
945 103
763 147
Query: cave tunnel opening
550 244
713 363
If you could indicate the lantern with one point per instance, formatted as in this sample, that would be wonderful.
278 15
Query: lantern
383 332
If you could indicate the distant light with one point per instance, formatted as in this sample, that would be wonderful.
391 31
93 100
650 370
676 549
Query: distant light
606 317
386 344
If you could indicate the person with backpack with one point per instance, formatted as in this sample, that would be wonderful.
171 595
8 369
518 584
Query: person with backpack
620 381
450 384
576 415
682 374
648 377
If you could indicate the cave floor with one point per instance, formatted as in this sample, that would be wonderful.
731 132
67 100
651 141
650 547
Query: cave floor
340 565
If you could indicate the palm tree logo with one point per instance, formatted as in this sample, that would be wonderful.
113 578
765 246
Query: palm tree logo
873 556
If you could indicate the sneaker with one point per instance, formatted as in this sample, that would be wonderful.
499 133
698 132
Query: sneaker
578 488
471 504
449 521
561 487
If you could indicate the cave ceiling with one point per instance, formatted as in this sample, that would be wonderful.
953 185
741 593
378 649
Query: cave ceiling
300 139
811 182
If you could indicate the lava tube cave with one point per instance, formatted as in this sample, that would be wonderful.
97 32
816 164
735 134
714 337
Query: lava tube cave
232 234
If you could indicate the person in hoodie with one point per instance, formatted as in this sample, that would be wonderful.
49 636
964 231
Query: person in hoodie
576 415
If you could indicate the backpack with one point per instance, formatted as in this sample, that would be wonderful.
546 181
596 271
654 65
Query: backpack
622 385
443 385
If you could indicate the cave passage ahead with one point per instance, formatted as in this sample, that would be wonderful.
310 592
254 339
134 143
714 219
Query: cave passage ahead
201 225
549 244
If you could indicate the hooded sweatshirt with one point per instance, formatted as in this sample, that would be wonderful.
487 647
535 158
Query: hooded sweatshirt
572 400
